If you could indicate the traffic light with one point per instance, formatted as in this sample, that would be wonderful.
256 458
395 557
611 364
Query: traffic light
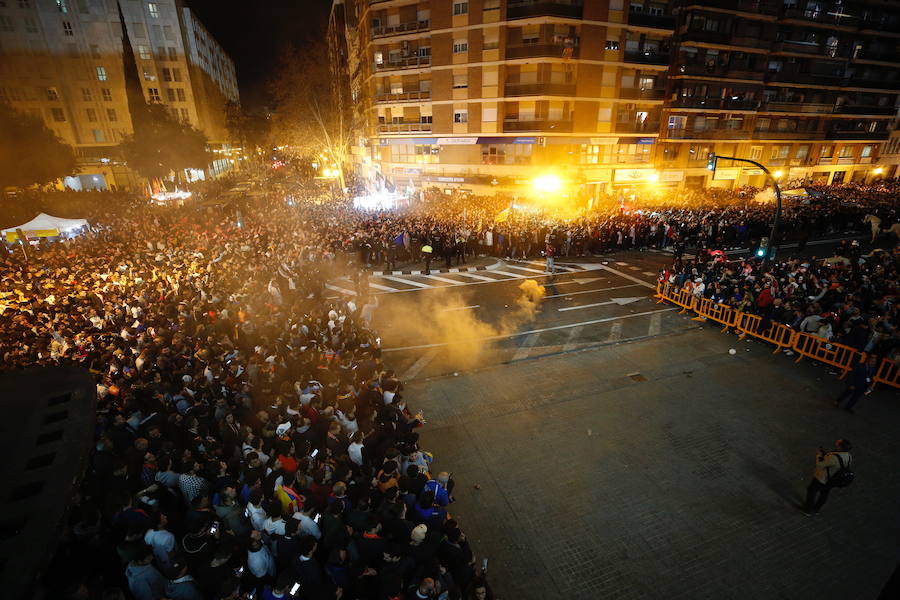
763 247
711 161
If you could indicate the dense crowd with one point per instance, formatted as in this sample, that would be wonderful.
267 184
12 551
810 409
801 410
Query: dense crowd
250 442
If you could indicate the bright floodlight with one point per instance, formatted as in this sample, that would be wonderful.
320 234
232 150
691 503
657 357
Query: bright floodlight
653 178
877 171
547 184
777 174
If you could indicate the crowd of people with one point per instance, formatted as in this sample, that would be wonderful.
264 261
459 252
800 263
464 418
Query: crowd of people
250 441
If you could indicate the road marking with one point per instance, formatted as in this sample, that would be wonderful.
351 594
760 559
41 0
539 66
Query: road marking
436 278
407 281
378 286
526 346
479 277
526 268
649 273
622 264
619 301
420 364
615 334
628 277
573 335
542 330
633 268
617 287
461 308
340 289
513 275
655 325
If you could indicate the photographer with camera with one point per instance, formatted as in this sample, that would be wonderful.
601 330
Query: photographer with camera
832 471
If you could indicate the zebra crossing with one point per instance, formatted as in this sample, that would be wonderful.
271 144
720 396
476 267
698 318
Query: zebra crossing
391 284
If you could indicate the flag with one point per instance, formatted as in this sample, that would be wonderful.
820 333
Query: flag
399 240
502 216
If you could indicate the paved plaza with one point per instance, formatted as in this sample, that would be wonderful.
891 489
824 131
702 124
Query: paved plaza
665 468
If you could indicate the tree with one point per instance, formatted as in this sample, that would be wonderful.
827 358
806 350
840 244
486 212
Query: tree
30 153
310 118
161 144
249 131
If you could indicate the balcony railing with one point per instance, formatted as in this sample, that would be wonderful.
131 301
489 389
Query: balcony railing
881 84
716 71
538 89
645 127
522 9
707 134
648 20
647 58
401 28
638 94
765 7
774 134
535 50
821 16
413 127
512 125
803 77
844 134
797 107
865 110
721 37
404 96
882 55
412 62
716 103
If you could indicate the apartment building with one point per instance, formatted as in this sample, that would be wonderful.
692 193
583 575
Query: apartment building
62 60
487 94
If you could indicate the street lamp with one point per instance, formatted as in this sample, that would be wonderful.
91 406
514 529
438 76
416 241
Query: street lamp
772 240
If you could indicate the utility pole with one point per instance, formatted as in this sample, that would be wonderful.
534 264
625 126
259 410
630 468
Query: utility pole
711 165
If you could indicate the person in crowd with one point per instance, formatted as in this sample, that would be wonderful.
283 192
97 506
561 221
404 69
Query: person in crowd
828 464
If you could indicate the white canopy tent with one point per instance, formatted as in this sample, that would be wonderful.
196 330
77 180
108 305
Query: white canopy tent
45 225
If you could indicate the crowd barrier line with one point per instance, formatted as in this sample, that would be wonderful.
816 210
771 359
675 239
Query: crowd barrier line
779 335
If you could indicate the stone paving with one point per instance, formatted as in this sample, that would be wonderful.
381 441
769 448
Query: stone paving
665 469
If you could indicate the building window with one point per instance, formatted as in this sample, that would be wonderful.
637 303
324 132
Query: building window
184 115
612 44
591 154
101 74
461 116
677 122
460 8
148 74
460 81
802 152
144 53
176 74
846 152
166 72
460 46
153 8
168 33
67 29
98 135
491 5
180 95
866 152
62 6
91 115
170 94
6 24
172 53
52 94
826 151
491 41
111 115
153 93
24 4
139 30
58 115
756 152
31 25
107 94
86 94
780 152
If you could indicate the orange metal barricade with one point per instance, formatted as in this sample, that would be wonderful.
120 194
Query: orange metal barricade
820 349
720 313
888 373
781 336
681 297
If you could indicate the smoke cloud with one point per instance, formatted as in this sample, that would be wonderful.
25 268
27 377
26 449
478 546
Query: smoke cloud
442 317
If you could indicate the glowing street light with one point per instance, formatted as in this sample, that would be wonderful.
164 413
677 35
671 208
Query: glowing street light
778 174
653 177
547 184
877 171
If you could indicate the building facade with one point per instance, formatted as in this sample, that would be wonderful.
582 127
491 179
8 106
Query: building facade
62 60
485 95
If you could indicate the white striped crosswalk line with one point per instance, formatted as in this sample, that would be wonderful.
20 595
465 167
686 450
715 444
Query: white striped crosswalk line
407 281
615 334
655 324
340 289
526 346
513 275
378 286
478 277
526 268
573 335
444 279
420 364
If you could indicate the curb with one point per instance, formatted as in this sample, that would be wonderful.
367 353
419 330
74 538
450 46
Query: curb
491 267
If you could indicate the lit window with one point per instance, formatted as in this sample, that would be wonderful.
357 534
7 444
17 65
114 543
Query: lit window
612 44
154 94
460 8
101 73
144 53
111 114
67 29
756 152
461 116
154 9
866 152
107 94
460 81
460 46
98 135
62 6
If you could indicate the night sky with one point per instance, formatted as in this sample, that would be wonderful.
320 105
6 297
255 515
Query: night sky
254 33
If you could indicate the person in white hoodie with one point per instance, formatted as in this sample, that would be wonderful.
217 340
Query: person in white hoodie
162 541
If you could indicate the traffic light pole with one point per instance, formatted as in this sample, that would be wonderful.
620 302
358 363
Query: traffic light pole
711 165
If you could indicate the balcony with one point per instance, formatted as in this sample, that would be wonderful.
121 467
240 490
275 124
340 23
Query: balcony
724 38
400 28
538 89
802 107
799 77
413 127
735 72
764 7
828 17
638 94
404 96
648 20
413 62
775 134
633 127
647 58
514 125
537 50
708 134
523 9
876 54
716 103
865 110
854 134
881 84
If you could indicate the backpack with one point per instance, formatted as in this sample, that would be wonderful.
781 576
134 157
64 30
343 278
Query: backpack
844 476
